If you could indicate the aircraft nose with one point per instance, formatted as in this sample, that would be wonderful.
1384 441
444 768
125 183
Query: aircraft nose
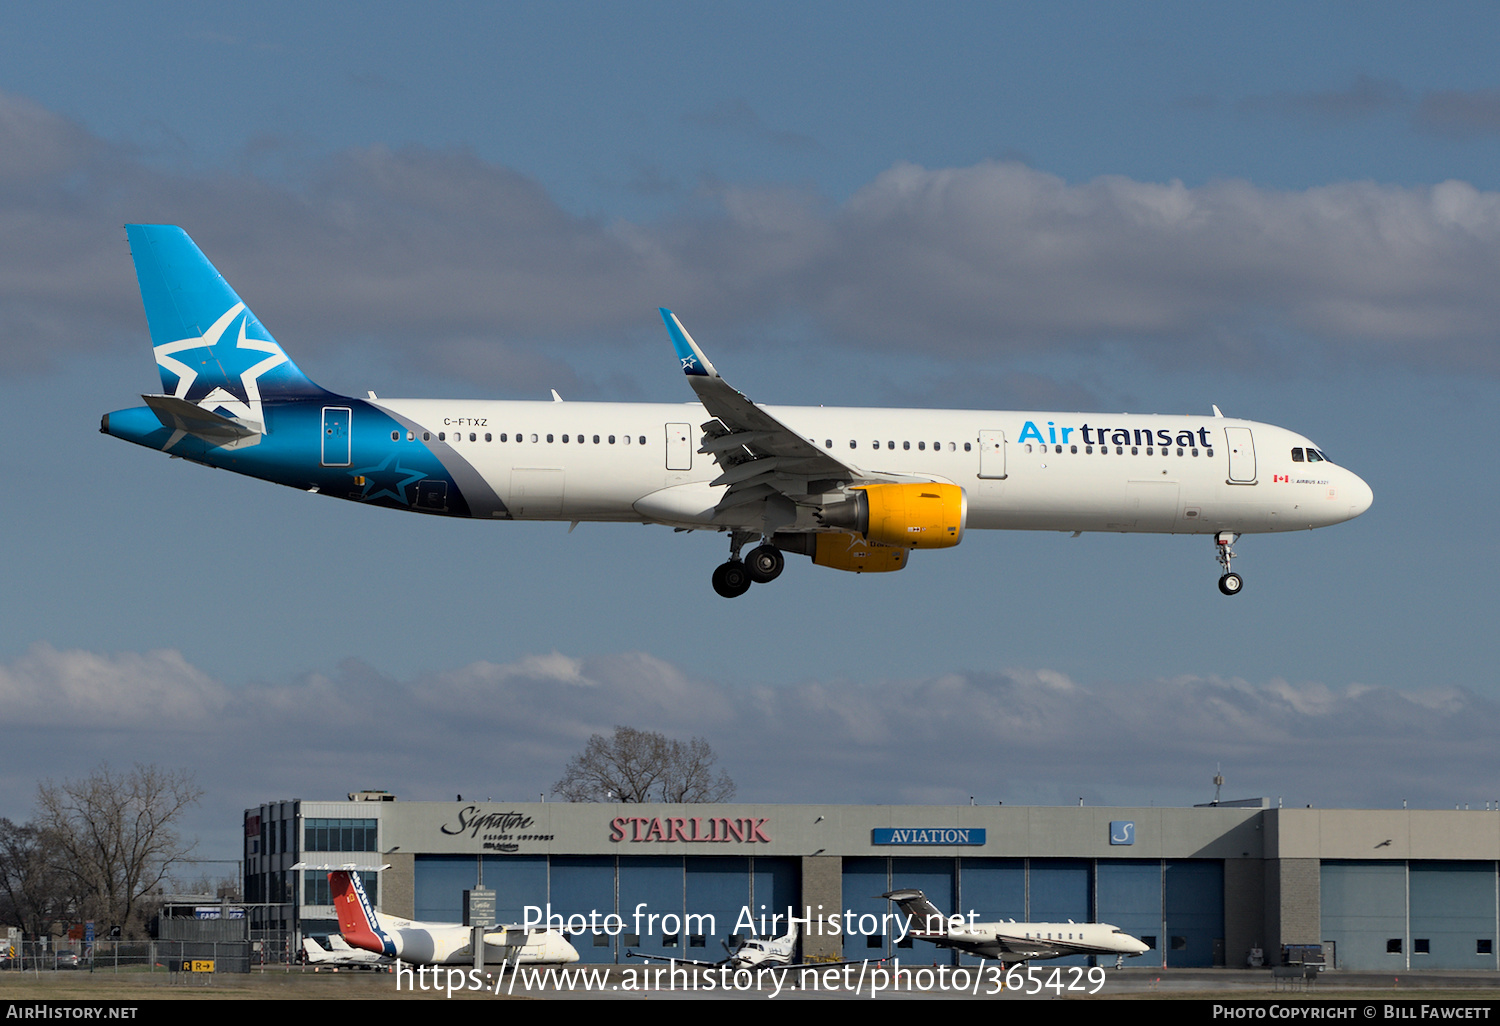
1360 496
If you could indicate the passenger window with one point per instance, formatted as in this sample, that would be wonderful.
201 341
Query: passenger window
533 437
1088 450
828 443
426 436
921 446
1059 450
1195 452
853 444
487 437
473 437
968 446
549 438
442 436
596 439
565 439
643 439
627 439
395 436
906 445
1073 449
1134 451
503 436
409 436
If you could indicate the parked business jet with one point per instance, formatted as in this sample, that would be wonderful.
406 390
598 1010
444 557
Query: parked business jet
749 953
1012 941
339 955
435 943
853 489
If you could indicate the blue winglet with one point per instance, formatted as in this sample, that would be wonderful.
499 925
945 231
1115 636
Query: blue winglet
693 360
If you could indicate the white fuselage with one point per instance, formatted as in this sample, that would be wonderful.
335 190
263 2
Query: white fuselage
1017 942
1019 470
450 944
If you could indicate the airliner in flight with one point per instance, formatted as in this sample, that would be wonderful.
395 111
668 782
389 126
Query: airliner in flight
853 489
1011 941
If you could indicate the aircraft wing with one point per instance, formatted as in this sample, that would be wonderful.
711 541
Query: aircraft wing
1033 947
758 454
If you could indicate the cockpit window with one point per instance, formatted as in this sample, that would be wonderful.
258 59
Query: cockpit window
1313 455
1297 455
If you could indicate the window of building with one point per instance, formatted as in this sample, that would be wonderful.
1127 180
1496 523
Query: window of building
1421 946
339 835
1393 946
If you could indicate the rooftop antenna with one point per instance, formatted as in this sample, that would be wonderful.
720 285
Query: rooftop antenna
1218 780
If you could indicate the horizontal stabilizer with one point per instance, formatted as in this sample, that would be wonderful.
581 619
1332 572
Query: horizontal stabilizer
215 429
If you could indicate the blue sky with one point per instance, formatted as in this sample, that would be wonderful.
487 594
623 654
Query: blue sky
1290 210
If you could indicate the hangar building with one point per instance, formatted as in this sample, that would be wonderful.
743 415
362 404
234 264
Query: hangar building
1380 889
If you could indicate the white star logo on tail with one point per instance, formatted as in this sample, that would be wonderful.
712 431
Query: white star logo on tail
228 359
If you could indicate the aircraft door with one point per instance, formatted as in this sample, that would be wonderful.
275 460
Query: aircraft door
679 447
1241 455
336 436
992 454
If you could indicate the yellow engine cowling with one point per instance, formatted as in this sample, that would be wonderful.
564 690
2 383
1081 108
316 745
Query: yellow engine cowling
914 516
846 552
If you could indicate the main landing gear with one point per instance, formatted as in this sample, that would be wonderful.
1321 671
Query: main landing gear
762 566
1230 583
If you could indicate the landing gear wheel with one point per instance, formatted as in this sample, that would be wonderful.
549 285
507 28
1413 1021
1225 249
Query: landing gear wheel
1231 582
731 579
765 564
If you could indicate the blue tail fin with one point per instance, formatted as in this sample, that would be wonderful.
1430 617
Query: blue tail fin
211 350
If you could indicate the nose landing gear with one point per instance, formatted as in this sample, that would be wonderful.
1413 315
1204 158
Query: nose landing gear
733 579
1230 583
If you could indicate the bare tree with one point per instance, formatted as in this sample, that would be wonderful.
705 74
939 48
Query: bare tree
116 836
643 766
34 892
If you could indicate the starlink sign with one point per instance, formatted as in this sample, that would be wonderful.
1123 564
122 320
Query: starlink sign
927 835
745 830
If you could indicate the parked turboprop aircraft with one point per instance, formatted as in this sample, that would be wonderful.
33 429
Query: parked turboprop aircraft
854 489
1013 941
435 943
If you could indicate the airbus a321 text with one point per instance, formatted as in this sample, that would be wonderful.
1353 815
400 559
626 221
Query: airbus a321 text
853 489
433 943
1011 941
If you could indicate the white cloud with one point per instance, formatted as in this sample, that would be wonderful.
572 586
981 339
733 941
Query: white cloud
437 254
508 729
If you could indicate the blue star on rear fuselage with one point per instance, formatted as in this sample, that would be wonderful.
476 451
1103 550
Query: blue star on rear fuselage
387 481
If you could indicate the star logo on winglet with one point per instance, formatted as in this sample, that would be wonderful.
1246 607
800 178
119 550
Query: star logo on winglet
689 362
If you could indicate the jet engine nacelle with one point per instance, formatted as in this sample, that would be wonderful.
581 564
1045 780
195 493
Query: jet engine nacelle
925 515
